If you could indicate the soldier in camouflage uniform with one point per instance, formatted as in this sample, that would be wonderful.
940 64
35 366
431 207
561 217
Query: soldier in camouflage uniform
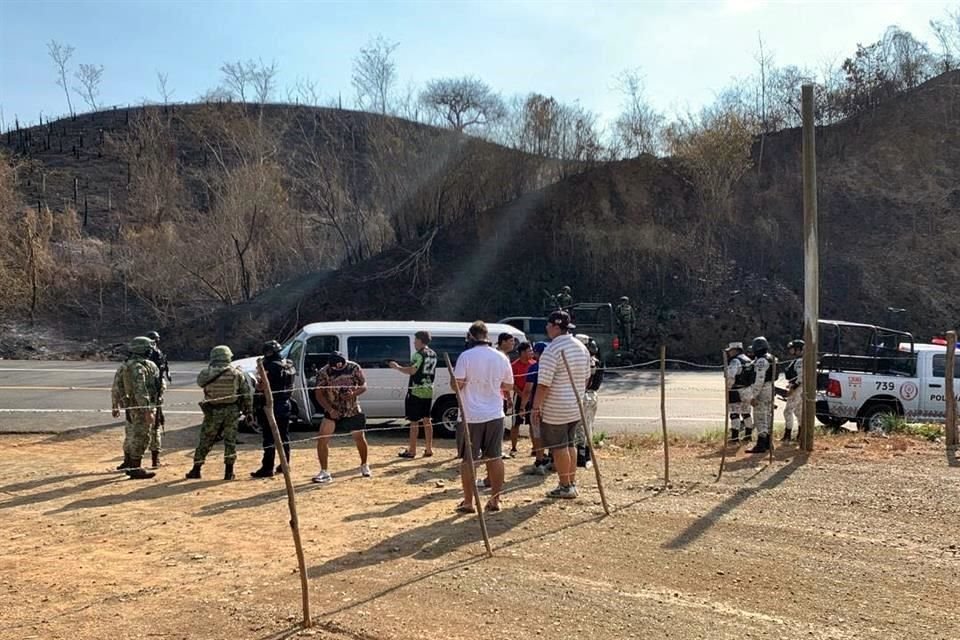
564 298
226 394
135 390
158 358
761 394
626 319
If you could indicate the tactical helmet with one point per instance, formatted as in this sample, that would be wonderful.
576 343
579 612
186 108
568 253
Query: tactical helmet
624 299
221 353
141 346
270 347
565 289
796 344
153 335
760 345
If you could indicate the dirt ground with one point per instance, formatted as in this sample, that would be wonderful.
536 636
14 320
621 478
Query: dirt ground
858 540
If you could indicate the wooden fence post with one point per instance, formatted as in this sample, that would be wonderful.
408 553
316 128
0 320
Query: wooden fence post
663 415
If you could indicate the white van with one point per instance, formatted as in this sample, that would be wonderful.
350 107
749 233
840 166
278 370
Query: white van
372 345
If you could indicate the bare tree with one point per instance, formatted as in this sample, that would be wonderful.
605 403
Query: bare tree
375 74
463 102
638 127
60 54
947 32
237 77
305 92
764 61
89 77
263 80
164 88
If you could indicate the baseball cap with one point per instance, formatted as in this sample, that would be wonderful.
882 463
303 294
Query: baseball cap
561 319
734 345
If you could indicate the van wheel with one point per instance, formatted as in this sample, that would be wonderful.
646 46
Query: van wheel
445 415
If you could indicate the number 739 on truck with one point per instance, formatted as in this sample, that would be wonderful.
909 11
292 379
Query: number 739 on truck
869 374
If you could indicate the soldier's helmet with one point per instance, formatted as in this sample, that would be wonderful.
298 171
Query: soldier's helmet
221 353
566 289
271 347
796 344
624 299
153 335
141 346
760 345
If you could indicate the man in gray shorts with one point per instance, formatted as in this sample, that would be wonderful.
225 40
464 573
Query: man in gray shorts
482 374
555 406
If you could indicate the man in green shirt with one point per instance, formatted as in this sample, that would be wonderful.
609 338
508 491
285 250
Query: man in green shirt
419 400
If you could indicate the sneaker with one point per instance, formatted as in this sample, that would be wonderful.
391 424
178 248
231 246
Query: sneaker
483 484
588 464
365 471
323 478
564 492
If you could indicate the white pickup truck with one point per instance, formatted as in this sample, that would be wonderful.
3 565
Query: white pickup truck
889 375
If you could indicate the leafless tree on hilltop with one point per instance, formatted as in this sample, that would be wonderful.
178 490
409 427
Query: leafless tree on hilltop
60 54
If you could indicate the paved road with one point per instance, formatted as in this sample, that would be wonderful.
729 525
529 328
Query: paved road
37 396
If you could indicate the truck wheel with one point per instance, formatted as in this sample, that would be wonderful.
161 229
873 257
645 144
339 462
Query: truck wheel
445 415
876 416
831 421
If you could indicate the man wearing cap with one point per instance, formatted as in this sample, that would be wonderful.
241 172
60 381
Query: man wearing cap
339 384
280 374
739 369
556 409
482 375
226 394
135 390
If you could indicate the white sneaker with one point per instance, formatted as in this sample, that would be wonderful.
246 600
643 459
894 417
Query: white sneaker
323 477
365 471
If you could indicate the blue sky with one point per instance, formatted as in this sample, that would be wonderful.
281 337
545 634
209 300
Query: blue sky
687 51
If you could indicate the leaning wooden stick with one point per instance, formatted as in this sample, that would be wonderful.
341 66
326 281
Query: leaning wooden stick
291 502
663 415
468 454
773 404
726 418
588 432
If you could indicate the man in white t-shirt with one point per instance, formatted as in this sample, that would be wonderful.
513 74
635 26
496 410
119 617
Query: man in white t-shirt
483 374
555 407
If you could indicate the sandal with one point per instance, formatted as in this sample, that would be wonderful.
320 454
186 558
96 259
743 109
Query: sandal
492 507
428 454
406 454
465 508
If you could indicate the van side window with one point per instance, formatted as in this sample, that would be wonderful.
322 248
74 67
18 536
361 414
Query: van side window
319 349
374 352
940 367
453 346
516 324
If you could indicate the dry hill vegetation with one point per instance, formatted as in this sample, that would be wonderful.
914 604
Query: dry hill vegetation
230 221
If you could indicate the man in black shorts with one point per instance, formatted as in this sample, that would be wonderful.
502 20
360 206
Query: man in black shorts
338 385
419 400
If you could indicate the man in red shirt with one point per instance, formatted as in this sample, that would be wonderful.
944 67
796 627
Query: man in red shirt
520 367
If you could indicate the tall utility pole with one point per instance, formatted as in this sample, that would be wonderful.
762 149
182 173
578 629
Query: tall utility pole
811 270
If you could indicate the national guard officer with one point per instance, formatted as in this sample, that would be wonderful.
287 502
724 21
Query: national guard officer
135 390
794 394
226 394
739 370
761 393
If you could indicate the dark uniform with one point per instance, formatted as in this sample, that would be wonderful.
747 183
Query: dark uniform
280 375
158 358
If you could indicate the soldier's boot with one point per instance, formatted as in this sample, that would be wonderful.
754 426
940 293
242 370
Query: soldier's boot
228 471
123 466
787 435
138 472
155 459
748 434
734 436
194 474
762 446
